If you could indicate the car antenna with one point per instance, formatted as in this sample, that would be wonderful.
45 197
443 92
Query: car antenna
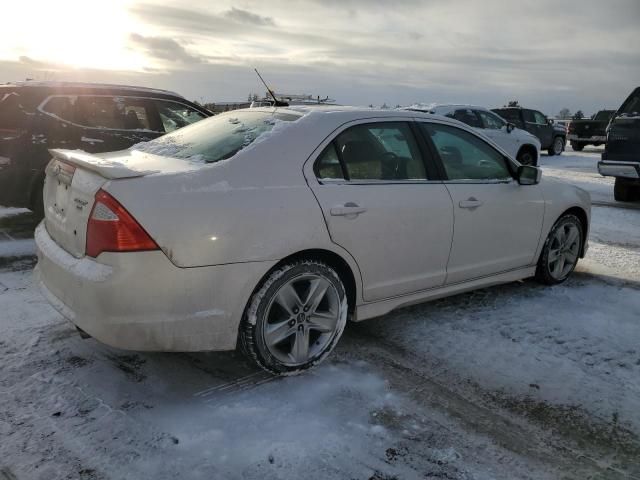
277 103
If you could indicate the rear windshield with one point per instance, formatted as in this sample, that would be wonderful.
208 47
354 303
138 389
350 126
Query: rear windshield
631 106
216 138
603 115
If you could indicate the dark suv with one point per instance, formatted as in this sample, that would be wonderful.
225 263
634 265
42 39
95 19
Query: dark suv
37 116
552 137
621 156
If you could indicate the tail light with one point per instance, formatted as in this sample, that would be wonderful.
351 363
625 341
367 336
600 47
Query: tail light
571 127
112 229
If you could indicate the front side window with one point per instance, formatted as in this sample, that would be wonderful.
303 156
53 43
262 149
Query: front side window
540 118
375 151
468 116
465 156
631 106
216 138
490 120
176 115
511 115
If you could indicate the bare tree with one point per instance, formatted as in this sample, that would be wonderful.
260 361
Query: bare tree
564 114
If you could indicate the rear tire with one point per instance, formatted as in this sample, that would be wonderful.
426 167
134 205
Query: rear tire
625 190
577 146
561 251
295 318
557 146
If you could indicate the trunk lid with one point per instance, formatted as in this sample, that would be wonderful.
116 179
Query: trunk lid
73 178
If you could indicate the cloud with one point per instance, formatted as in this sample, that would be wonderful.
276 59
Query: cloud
244 16
164 48
432 50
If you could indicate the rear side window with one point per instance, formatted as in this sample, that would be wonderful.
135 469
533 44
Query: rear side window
376 151
328 166
177 115
12 116
105 112
216 138
465 156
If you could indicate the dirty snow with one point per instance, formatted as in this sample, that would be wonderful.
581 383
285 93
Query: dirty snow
515 381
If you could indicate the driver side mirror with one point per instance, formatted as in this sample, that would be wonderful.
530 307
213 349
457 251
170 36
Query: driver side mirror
528 175
510 127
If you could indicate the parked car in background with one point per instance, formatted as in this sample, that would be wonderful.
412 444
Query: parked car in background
520 144
270 227
590 131
552 137
621 156
38 116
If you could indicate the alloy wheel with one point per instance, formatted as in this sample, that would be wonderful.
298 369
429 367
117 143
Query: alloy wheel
302 318
564 251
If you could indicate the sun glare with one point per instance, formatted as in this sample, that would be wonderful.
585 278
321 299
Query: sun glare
75 33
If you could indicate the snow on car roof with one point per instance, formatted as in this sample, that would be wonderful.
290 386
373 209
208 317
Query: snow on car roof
432 106
54 84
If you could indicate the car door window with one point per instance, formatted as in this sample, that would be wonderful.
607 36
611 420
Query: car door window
176 115
328 166
375 151
540 118
490 120
465 156
528 116
468 116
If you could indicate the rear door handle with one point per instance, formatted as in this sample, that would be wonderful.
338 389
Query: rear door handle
347 209
471 203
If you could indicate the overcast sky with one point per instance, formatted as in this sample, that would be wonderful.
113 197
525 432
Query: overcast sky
546 54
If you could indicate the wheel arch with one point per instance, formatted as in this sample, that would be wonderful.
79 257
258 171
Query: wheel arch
531 148
348 275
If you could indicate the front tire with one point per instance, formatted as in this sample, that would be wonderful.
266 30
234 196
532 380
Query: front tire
557 146
526 157
561 251
577 146
294 320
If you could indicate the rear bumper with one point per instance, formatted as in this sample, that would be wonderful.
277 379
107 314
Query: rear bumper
141 301
612 168
587 139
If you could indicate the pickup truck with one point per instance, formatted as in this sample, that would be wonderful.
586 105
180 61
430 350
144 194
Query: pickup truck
621 156
591 131
552 137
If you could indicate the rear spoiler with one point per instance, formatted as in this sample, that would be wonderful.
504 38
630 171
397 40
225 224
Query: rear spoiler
107 168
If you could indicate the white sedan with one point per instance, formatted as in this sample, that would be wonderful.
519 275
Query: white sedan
270 228
519 143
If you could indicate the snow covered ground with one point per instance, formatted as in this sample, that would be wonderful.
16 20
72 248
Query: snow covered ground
515 381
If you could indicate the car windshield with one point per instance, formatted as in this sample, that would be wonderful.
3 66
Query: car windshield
217 138
603 115
631 106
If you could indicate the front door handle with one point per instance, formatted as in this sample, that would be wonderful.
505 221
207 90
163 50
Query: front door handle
347 210
471 203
